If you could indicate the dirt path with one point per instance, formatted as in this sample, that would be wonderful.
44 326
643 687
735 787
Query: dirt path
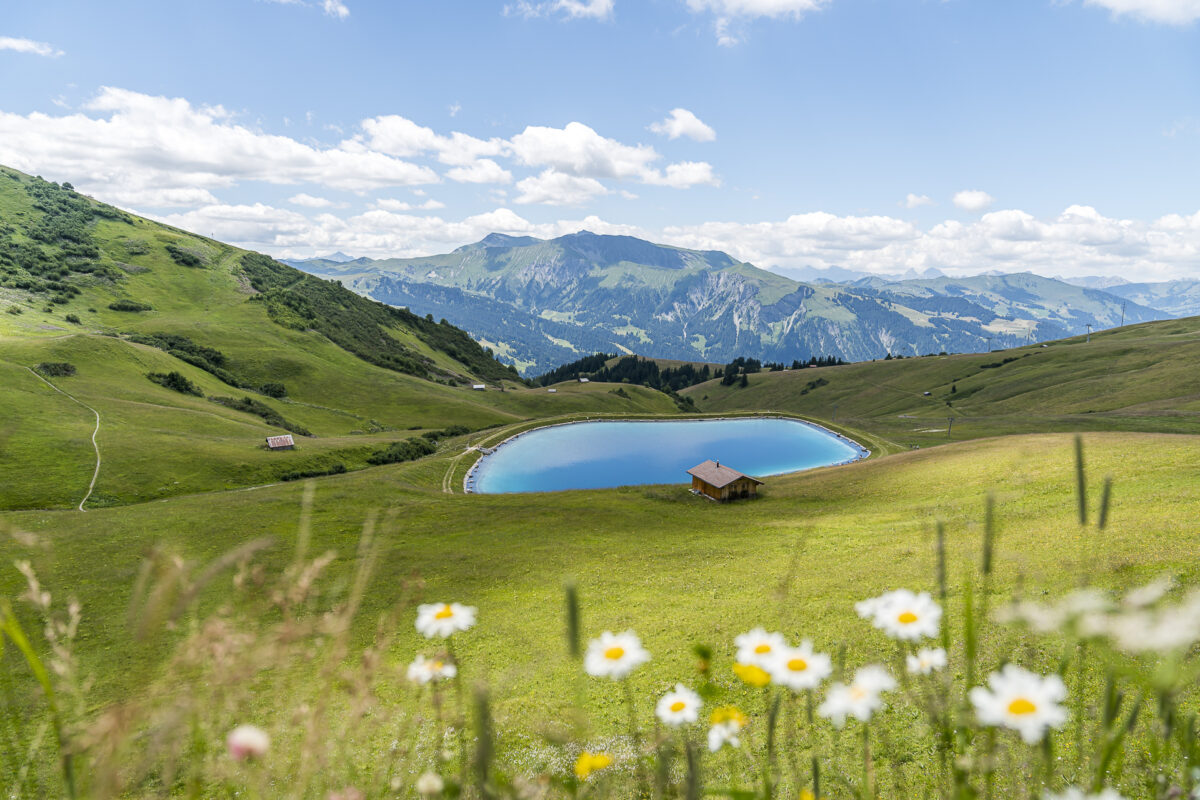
95 446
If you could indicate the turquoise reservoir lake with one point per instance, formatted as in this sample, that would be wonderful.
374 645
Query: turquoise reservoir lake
598 455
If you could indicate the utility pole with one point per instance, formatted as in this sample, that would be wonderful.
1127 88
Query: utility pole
1089 327
949 426
1122 313
988 339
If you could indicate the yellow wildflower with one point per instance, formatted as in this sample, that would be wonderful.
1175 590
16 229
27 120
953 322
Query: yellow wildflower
752 674
588 763
728 714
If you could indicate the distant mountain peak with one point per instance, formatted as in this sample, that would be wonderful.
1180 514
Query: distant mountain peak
338 258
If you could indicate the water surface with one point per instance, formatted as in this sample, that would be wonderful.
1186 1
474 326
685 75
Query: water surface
597 455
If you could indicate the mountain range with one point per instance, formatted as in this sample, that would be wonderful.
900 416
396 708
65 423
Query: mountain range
538 303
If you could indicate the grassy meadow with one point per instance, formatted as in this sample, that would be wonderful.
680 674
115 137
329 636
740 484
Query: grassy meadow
211 594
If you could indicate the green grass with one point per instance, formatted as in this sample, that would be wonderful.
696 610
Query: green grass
677 568
1137 378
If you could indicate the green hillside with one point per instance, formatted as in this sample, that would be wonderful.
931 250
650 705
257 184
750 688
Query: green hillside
353 373
1136 378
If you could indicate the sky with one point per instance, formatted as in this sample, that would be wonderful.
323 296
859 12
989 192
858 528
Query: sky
1055 136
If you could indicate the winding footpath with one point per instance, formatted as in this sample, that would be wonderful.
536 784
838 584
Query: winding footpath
96 447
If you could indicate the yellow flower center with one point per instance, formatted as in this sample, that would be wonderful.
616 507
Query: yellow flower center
763 648
446 613
678 706
907 618
1021 706
614 653
728 714
797 665
857 693
438 665
752 675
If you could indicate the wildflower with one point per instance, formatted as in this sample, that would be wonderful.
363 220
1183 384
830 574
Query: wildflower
247 741
1168 628
727 723
860 699
430 784
799 668
1074 793
422 670
678 706
1019 699
1149 594
752 675
927 660
444 619
757 646
614 655
903 615
587 763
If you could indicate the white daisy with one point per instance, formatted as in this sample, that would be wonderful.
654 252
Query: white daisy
422 670
799 668
1074 793
1019 699
678 706
860 699
727 724
614 655
757 646
444 619
902 614
927 660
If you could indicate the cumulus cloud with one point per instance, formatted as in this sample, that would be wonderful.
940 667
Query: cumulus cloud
335 8
569 9
308 201
482 171
558 189
137 149
1170 12
29 46
729 12
917 200
682 122
973 200
580 151
391 204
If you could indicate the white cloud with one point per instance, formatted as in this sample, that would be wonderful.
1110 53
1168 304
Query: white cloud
482 171
729 12
682 122
973 200
308 201
578 150
335 8
135 149
917 200
391 204
558 189
1170 12
684 175
29 46
454 108
570 9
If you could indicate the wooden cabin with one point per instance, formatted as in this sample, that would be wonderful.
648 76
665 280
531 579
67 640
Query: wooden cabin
722 483
284 442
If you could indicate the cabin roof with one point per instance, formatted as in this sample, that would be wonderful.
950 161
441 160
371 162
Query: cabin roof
712 473
281 441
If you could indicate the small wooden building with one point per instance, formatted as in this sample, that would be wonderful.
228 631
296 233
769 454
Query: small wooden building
722 483
284 442
478 387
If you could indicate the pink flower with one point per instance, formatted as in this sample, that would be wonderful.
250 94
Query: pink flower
247 741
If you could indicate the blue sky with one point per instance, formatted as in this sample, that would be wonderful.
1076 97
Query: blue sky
879 135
